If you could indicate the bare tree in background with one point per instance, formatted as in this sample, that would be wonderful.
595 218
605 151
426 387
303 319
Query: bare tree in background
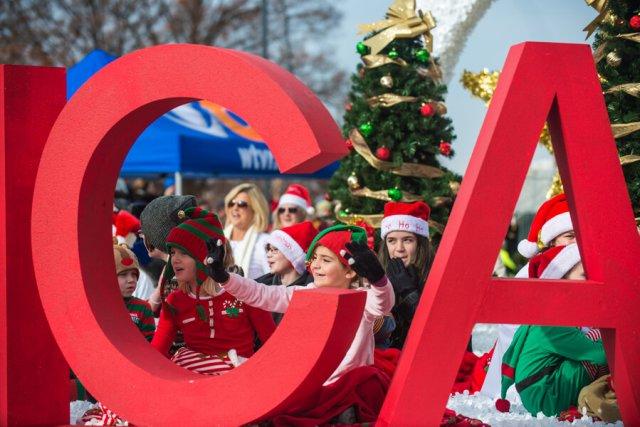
61 32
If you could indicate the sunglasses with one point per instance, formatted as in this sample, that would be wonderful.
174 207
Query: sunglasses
290 210
241 204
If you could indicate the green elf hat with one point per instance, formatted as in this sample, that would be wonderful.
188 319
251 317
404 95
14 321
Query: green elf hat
335 238
191 237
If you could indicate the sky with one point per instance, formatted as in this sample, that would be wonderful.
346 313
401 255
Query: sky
506 23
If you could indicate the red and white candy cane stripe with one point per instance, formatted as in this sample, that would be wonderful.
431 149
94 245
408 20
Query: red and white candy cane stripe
202 363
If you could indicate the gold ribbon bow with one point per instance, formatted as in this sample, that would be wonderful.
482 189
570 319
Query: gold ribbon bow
401 23
602 7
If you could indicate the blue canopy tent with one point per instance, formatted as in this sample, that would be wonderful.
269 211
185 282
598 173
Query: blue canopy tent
198 139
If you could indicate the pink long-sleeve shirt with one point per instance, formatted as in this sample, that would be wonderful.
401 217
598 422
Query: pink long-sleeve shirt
380 300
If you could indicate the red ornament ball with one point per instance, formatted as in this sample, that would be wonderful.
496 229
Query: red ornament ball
445 148
427 110
383 153
634 22
349 144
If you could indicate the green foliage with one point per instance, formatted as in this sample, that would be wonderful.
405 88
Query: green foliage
401 128
622 107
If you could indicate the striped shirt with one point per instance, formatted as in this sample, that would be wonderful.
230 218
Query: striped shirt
141 315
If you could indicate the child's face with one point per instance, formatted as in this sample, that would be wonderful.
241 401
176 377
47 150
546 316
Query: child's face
127 281
328 271
278 263
564 239
184 267
403 245
576 273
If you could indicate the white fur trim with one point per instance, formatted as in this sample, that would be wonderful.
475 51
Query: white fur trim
527 248
566 259
408 223
289 248
290 199
555 226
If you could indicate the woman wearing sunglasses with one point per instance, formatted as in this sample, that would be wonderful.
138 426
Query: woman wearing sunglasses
293 207
247 219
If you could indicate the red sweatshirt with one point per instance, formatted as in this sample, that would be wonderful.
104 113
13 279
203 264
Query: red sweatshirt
222 323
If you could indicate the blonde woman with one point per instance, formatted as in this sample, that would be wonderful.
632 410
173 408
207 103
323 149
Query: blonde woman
247 219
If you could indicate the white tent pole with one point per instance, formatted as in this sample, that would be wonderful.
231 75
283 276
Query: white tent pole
178 179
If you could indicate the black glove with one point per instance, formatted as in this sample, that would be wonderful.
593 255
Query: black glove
364 262
403 279
214 262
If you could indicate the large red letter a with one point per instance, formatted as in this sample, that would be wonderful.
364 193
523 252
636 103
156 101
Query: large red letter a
539 81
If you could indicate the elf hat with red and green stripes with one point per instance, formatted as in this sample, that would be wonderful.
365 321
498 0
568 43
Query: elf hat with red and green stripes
192 235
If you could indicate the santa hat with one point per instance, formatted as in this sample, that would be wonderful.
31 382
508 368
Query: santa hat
191 237
551 220
335 239
125 259
411 217
555 262
293 242
297 195
125 225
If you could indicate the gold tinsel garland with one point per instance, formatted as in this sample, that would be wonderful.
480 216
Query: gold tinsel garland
416 170
374 61
387 100
632 89
383 195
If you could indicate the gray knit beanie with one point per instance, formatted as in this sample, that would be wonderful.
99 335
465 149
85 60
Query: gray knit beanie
160 216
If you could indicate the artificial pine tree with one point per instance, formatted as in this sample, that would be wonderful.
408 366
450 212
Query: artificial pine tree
617 53
394 121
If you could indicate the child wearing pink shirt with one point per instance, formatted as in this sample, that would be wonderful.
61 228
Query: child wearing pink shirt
338 258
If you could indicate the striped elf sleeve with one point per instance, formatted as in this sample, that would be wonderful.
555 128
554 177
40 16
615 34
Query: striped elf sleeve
142 316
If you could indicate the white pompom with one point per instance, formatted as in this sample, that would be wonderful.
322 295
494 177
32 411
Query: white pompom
527 249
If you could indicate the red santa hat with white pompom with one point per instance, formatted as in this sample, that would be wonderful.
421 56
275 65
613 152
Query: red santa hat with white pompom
293 242
551 220
297 195
411 217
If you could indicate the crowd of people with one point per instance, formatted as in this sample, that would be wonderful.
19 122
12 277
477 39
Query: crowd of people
207 295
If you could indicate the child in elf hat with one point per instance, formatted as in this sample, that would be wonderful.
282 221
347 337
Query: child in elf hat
286 250
216 326
550 227
550 365
128 271
156 222
339 258
405 255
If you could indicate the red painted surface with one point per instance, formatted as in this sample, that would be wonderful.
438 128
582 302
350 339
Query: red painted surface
73 208
34 378
539 80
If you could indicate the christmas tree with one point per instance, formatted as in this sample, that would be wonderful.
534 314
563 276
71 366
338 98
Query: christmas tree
395 123
617 55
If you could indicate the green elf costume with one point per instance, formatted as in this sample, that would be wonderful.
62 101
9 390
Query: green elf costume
550 365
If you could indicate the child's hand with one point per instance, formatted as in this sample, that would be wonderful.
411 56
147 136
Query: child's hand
214 262
364 262
403 279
